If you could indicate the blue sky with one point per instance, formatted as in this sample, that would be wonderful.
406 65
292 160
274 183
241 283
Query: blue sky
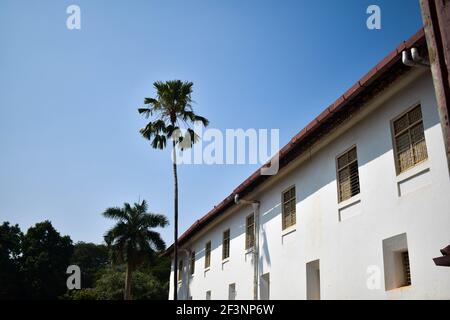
69 140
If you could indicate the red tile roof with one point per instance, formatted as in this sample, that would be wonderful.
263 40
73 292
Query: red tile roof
378 78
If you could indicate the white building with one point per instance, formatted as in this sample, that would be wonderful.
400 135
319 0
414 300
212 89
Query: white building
359 208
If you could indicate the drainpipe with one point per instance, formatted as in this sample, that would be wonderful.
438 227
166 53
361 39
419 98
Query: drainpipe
255 205
188 269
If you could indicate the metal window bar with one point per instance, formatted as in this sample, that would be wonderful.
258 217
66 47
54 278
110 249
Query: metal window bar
250 232
348 175
226 245
289 208
208 255
409 138
406 268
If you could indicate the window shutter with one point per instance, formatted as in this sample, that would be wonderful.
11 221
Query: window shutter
348 175
289 204
208 255
409 139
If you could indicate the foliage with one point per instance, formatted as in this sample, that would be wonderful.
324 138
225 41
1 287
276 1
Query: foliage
33 266
110 286
91 258
11 284
45 258
171 111
132 240
159 267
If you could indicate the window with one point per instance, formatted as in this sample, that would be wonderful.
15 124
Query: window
250 232
288 209
208 295
208 255
313 280
180 270
192 266
232 291
397 272
226 245
264 286
348 175
406 271
409 140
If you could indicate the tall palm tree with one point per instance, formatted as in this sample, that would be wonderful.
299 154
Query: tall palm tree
132 239
171 111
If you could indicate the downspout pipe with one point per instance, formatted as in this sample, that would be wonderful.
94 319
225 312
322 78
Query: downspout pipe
188 269
255 206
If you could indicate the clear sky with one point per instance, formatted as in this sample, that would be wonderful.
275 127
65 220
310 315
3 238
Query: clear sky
69 140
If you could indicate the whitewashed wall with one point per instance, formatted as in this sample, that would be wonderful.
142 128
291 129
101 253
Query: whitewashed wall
346 248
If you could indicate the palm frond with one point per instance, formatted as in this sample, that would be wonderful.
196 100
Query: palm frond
203 120
159 142
153 220
115 213
156 241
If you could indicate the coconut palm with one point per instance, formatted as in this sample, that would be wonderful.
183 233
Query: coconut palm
132 239
171 112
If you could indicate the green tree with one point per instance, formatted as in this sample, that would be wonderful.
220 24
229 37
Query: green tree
110 286
45 258
145 287
171 111
132 240
159 267
91 258
11 286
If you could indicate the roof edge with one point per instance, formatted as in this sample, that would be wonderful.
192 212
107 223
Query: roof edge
359 88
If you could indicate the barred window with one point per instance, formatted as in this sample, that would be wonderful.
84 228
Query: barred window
409 137
406 269
208 255
180 270
250 231
226 244
289 204
348 175
192 266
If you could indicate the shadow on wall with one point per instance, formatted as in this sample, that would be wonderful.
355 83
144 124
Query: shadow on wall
320 170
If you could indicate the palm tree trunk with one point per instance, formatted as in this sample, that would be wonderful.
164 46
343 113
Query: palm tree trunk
128 276
175 235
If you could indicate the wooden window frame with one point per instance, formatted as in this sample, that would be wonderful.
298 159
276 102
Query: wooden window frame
292 214
338 171
226 245
249 236
208 255
394 135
